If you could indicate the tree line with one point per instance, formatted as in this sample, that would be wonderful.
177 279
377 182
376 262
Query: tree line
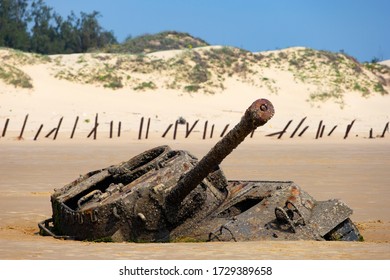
35 27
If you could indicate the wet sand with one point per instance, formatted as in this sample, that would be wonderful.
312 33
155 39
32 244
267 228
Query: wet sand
356 172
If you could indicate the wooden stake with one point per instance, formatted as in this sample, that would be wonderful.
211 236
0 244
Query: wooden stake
280 133
5 127
58 128
348 129
50 133
93 131
147 129
224 130
330 132
111 128
188 131
95 128
175 130
205 129
74 127
23 127
212 131
322 131
297 128
319 129
166 131
39 131
285 129
303 131
119 129
386 129
140 128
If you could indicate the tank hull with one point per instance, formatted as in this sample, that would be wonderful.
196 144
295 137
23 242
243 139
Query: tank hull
127 202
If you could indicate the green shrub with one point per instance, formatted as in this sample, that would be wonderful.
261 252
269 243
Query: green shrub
114 84
14 76
199 74
145 85
378 87
192 88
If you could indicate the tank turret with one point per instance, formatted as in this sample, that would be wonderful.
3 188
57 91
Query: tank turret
164 195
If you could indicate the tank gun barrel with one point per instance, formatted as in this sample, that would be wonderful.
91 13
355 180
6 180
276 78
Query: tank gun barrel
165 195
259 113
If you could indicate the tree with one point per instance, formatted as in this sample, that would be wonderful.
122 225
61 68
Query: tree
49 33
69 34
14 18
92 34
44 37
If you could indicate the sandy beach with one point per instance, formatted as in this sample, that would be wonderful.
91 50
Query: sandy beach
354 170
356 173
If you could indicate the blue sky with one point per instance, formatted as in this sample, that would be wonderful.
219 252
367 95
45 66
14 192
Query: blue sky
360 28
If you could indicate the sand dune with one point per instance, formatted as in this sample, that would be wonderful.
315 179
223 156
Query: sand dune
169 85
61 87
385 62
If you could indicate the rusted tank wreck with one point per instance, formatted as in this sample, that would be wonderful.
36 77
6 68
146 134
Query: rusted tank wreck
165 195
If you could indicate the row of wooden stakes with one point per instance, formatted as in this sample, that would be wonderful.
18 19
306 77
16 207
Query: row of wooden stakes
321 130
189 129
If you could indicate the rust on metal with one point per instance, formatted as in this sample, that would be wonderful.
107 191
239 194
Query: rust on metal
165 195
259 113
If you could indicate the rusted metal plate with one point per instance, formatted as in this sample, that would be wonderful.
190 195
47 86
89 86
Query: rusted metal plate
326 215
165 195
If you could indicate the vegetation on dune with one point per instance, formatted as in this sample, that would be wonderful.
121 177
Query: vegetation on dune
206 70
382 72
148 43
33 26
19 58
13 76
331 74
145 85
11 63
